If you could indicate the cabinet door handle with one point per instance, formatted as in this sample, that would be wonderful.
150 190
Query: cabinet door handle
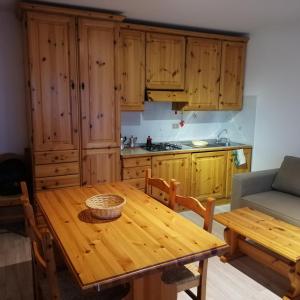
72 85
82 85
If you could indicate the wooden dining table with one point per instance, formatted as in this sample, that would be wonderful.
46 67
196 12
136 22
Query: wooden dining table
136 247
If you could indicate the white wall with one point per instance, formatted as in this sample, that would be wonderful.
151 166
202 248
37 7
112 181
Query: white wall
273 76
157 120
13 132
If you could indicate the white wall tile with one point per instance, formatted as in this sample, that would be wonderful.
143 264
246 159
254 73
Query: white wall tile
157 120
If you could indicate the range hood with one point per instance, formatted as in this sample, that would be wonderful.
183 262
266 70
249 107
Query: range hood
166 96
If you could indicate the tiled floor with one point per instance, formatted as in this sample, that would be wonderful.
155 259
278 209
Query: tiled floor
242 279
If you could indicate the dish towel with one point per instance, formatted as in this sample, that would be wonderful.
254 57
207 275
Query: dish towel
239 157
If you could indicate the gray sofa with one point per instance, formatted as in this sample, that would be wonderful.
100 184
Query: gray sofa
259 190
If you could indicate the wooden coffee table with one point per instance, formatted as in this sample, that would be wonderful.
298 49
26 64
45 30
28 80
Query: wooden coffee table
269 241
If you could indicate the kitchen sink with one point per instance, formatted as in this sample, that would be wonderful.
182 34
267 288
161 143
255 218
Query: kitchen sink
212 144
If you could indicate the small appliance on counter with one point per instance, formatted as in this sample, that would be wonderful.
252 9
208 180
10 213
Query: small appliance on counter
123 140
132 141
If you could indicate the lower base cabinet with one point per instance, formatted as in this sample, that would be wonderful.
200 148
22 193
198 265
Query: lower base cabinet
209 173
134 171
100 166
201 175
175 166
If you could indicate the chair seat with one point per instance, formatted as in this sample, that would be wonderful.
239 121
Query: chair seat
69 290
185 277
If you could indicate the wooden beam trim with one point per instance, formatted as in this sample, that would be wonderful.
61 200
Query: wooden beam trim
264 258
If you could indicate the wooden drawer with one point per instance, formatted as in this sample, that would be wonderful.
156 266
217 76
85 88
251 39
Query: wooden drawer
57 182
42 158
57 169
139 183
136 162
135 172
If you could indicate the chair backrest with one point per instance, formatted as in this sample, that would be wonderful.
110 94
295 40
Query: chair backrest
193 204
42 252
25 201
25 195
160 184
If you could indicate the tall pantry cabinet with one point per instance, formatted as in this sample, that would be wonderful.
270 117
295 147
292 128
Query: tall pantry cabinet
99 105
73 111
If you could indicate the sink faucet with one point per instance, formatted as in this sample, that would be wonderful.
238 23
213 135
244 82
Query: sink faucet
223 139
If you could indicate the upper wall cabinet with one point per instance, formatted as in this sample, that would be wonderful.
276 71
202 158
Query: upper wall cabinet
99 104
203 73
131 70
232 75
53 82
165 61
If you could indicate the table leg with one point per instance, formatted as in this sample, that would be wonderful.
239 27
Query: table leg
294 277
231 238
151 287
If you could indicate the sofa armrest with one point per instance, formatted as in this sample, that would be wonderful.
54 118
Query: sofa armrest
251 183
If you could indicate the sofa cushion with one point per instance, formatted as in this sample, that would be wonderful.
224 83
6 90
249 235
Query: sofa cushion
288 177
277 204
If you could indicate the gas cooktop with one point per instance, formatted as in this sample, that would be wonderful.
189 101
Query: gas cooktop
162 147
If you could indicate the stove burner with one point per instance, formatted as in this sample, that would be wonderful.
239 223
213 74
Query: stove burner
162 147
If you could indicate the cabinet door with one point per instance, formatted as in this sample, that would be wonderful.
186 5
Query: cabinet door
232 75
99 105
209 174
100 166
165 61
53 82
203 73
132 70
233 169
167 167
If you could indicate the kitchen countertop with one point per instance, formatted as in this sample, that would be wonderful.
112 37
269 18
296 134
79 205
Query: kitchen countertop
140 152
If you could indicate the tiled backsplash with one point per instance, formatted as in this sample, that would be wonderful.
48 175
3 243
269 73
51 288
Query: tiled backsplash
158 118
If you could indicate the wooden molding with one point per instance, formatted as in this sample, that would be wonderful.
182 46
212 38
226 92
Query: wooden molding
78 12
85 12
187 33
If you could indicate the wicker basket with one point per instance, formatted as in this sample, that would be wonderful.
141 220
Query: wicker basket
105 206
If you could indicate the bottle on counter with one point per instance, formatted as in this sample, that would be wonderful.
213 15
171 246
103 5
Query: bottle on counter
149 142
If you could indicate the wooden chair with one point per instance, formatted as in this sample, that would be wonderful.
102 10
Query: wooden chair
160 184
50 284
190 275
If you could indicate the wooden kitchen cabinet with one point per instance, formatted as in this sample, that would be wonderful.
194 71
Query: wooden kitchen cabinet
54 182
55 81
174 166
214 75
209 174
203 63
100 166
165 61
134 170
53 99
99 105
233 169
52 80
232 75
131 70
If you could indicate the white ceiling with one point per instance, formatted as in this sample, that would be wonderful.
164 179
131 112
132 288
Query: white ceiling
228 15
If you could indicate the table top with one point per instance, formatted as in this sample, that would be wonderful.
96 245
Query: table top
274 234
147 237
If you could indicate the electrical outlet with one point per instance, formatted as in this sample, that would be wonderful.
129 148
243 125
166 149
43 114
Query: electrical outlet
175 126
